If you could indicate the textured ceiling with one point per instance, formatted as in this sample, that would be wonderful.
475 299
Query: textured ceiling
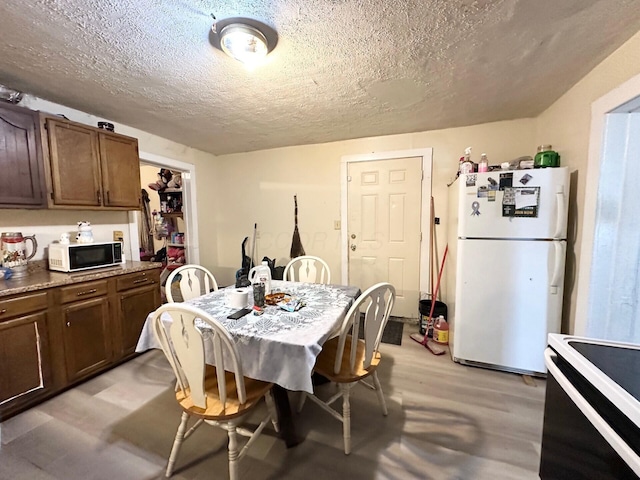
342 68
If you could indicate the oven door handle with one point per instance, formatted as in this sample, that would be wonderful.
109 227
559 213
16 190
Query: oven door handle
617 443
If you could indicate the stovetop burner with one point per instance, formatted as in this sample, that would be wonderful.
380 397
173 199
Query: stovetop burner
622 365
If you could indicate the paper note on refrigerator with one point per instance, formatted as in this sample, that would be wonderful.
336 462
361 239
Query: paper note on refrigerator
526 197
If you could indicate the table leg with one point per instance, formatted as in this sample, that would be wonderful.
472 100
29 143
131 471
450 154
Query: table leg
285 416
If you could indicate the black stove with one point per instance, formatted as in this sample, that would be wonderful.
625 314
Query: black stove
620 364
592 410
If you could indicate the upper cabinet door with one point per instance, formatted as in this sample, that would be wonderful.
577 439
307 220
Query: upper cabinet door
22 180
120 165
75 168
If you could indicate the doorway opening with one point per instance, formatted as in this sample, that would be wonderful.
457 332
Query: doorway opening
608 305
186 219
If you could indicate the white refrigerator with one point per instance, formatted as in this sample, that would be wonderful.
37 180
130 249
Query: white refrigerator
507 239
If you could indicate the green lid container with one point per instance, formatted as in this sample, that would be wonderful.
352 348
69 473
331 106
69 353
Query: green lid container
546 157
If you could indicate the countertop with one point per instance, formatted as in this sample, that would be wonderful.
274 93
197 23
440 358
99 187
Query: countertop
40 278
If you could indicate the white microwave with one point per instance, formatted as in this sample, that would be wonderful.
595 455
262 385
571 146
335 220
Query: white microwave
74 257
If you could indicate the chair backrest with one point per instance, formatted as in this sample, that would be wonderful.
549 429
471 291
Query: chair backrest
194 281
174 325
308 269
376 303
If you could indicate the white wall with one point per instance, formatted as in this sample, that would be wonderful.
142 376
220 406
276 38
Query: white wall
566 125
259 187
47 225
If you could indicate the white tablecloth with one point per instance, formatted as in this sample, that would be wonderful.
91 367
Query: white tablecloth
279 346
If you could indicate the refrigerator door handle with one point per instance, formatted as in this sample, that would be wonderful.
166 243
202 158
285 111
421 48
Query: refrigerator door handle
561 201
557 267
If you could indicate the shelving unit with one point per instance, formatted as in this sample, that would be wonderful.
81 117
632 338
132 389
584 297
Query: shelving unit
171 210
171 201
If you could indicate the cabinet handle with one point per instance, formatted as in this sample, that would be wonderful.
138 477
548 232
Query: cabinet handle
140 280
3 311
98 195
68 324
108 198
93 290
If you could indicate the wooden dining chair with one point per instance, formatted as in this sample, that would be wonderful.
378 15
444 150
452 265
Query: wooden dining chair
220 396
194 281
308 269
348 360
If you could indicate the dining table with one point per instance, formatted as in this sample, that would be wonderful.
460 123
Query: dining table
277 346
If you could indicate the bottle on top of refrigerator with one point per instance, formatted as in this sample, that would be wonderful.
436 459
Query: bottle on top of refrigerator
483 166
467 164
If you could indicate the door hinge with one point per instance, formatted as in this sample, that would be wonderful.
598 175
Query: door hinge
422 175
348 178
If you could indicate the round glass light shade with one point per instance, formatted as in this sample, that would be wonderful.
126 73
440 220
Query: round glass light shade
243 42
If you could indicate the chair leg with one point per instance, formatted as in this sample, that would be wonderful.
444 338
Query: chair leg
303 397
176 443
273 413
346 418
233 451
383 404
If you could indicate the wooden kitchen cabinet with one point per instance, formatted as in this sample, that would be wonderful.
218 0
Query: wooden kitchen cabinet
90 168
75 166
87 328
120 166
60 336
25 366
22 180
138 295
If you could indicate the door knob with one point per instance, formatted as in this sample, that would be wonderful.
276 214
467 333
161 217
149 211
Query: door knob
353 247
353 235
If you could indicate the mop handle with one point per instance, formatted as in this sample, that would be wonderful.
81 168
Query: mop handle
433 301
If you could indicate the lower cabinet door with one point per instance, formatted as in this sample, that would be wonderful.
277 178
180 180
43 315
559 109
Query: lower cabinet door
87 337
25 368
135 306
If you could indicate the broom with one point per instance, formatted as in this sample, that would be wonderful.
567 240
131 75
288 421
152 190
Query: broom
297 250
431 345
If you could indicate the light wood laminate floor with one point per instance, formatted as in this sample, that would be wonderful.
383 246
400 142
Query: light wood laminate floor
446 421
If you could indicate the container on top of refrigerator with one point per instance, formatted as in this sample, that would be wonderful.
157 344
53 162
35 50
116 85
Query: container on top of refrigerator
467 165
546 157
483 165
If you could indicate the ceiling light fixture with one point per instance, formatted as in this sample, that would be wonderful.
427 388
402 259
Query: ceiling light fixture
247 40
243 42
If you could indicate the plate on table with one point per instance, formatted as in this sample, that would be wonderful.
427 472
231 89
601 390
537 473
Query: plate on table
275 298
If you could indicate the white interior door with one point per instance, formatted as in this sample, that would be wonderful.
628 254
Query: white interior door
384 206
